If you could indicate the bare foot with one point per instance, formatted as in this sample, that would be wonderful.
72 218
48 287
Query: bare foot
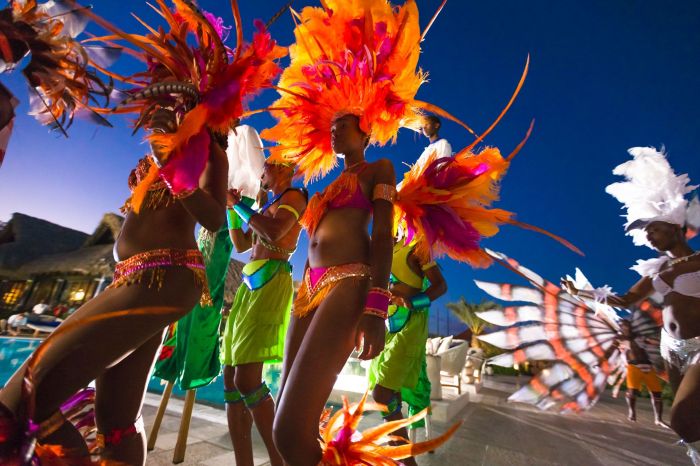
661 423
632 417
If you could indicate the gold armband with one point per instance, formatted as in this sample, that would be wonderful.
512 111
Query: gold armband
384 191
289 208
429 266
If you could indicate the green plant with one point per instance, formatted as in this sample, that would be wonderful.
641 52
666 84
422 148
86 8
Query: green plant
466 312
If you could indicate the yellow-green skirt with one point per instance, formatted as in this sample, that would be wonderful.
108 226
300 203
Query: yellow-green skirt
399 365
256 327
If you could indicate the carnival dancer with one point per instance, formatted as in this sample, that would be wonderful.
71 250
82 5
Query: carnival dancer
402 361
351 82
654 197
114 337
58 70
257 324
640 371
430 129
190 352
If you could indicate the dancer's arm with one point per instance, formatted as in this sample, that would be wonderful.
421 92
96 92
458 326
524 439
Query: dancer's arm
438 285
370 332
382 243
639 291
207 204
242 240
276 227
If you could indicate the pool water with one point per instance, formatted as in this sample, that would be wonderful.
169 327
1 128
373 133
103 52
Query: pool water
14 351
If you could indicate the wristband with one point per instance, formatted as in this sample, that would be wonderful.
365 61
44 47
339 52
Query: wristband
234 221
377 303
244 212
419 301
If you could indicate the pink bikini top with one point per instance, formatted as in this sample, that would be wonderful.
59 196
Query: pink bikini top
343 193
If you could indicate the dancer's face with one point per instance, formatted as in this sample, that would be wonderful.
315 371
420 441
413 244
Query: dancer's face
430 127
663 236
274 175
346 135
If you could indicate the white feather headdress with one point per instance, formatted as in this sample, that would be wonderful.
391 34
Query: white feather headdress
652 192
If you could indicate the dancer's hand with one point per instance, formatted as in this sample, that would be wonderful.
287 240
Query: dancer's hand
569 287
233 197
400 301
370 336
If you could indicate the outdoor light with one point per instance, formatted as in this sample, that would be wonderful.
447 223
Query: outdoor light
78 295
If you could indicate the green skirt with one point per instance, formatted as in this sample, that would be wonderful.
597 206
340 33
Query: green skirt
257 325
399 365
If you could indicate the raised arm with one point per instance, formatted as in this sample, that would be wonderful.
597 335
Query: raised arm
207 203
242 240
291 206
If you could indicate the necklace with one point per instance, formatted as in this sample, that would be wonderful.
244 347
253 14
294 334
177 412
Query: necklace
678 260
354 165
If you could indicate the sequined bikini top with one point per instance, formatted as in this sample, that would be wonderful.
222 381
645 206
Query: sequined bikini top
158 195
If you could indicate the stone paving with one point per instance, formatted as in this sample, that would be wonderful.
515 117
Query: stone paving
493 433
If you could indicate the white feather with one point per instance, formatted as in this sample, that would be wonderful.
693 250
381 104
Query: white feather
651 190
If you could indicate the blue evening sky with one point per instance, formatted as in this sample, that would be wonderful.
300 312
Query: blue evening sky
604 76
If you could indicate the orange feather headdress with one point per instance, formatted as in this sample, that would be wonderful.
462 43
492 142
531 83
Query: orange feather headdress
207 84
355 57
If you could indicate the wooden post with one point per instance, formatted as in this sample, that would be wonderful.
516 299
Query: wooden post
181 445
153 435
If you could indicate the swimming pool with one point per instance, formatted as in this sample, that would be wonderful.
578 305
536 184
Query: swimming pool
15 350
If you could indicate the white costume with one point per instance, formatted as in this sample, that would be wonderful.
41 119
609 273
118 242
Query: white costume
653 192
441 147
246 160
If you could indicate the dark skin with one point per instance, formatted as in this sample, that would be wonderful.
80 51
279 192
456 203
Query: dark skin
401 295
681 317
430 129
118 352
281 228
319 344
637 355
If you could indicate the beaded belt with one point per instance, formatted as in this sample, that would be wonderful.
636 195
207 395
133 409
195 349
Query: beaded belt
154 263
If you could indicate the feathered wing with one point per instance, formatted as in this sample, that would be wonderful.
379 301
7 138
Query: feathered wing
445 205
63 85
556 327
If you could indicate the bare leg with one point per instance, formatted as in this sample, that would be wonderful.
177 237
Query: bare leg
657 404
295 336
75 358
239 423
631 397
324 350
248 378
685 412
384 396
120 393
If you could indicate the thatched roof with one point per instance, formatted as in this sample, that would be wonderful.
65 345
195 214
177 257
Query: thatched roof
95 258
25 238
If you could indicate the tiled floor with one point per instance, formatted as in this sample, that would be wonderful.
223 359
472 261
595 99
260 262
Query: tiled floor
493 433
